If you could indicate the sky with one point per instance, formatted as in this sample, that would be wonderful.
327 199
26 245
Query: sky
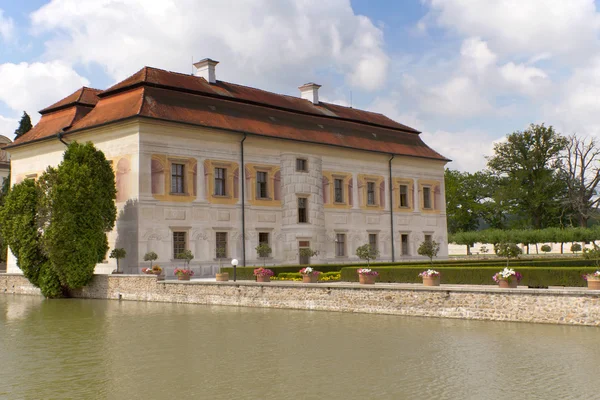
463 72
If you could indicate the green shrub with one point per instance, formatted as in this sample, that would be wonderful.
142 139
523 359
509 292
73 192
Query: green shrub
536 277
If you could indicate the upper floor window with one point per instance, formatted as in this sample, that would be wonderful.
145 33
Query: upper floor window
177 178
426 197
302 210
371 193
220 182
403 195
301 165
261 185
338 190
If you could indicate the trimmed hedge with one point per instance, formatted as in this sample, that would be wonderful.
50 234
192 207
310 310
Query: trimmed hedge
246 273
535 277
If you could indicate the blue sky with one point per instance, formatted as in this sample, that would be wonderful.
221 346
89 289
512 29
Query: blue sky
464 72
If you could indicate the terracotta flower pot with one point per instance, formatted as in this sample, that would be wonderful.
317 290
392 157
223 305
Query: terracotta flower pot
183 277
431 281
505 284
310 278
222 277
263 278
593 284
366 279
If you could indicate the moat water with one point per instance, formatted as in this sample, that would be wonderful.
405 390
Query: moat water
100 349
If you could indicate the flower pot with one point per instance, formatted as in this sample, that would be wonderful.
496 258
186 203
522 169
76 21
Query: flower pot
505 284
310 278
263 278
366 279
183 277
222 277
431 281
593 284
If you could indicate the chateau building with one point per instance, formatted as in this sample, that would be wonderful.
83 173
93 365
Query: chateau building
219 168
4 159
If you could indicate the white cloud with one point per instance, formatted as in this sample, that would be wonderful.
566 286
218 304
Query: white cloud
7 27
31 87
255 40
467 149
8 126
523 27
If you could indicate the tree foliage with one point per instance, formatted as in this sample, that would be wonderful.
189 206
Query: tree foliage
531 181
24 125
367 252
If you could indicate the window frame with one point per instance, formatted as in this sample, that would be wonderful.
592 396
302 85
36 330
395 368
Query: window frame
304 214
175 243
222 180
217 241
177 178
262 187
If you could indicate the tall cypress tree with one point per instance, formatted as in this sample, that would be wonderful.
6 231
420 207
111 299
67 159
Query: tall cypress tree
24 125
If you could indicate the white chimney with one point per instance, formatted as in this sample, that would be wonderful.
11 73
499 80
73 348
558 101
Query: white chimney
206 69
310 92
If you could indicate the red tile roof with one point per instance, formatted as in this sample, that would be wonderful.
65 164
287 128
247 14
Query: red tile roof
174 97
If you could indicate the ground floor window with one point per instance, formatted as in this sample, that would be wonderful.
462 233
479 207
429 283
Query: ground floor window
179 243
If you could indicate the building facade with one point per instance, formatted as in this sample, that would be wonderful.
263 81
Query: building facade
219 168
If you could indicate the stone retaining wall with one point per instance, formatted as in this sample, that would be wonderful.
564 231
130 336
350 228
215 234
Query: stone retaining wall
556 306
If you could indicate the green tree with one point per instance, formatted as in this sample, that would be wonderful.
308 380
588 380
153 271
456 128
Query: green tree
77 210
21 230
531 182
117 254
263 250
367 252
429 248
24 125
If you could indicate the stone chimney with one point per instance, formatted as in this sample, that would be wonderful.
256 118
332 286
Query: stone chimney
310 92
206 69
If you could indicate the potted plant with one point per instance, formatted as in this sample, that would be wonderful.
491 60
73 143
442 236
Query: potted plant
309 275
593 280
117 254
263 274
155 270
367 276
507 278
430 277
184 274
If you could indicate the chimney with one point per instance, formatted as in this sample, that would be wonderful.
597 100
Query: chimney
206 69
310 92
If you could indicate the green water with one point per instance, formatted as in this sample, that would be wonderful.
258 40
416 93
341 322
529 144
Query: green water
97 349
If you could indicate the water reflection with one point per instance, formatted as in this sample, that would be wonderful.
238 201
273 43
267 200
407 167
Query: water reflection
127 350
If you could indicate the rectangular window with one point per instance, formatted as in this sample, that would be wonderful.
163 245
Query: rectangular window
177 178
371 193
220 182
339 191
301 165
221 245
427 198
373 240
403 195
404 240
340 245
261 185
263 238
179 244
302 211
